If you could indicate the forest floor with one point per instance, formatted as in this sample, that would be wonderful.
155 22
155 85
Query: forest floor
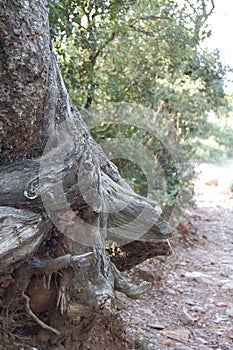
190 305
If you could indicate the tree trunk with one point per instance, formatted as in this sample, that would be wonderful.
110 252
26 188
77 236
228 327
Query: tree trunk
60 200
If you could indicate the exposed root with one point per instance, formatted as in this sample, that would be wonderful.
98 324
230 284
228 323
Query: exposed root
62 299
41 323
77 294
50 266
122 285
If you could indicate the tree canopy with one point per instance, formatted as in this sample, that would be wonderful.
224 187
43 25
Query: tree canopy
131 50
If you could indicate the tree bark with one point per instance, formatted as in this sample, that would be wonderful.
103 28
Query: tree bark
60 200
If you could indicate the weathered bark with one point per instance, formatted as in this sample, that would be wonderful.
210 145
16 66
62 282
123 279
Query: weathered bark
134 253
25 71
60 198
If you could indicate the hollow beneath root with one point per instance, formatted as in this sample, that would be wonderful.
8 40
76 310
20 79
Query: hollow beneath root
102 330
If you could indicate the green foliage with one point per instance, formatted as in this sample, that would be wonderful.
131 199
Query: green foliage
209 152
81 31
216 144
145 52
133 51
224 135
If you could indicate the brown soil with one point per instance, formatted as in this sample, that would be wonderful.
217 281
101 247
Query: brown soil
190 305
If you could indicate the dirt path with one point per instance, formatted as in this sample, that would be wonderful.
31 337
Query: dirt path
191 307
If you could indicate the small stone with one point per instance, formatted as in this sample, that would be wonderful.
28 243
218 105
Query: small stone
145 311
201 341
198 277
220 318
156 326
190 302
170 291
186 318
199 309
182 347
221 304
